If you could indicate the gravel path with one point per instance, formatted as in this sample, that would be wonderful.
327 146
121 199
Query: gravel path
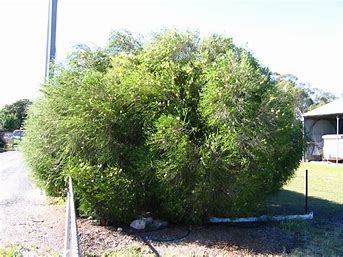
26 219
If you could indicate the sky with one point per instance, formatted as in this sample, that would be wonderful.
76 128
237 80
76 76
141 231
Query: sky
303 37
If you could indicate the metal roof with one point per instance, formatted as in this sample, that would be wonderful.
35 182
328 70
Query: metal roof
335 107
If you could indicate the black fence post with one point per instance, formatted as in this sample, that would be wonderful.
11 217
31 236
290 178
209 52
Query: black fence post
306 191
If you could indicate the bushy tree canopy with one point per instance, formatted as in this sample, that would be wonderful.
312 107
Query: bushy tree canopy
8 121
180 126
12 116
308 97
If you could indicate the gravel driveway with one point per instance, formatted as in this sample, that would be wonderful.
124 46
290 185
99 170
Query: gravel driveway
26 219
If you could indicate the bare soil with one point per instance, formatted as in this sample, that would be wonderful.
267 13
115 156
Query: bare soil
211 240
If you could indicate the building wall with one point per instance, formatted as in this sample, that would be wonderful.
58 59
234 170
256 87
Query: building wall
314 129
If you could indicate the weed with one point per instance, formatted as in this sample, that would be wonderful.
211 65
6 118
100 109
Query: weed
321 241
10 251
292 226
133 250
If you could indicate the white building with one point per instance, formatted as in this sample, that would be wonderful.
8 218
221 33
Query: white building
324 121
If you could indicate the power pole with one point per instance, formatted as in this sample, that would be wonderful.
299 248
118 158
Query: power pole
51 39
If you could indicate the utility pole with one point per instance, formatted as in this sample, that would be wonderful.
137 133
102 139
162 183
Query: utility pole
51 39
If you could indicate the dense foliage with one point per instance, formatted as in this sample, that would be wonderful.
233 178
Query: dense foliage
183 127
12 116
8 121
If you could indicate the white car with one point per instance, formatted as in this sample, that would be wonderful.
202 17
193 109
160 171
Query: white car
18 134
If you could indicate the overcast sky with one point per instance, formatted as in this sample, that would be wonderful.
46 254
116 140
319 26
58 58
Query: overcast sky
303 38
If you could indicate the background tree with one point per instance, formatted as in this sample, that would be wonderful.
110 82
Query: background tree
183 127
8 121
13 115
308 97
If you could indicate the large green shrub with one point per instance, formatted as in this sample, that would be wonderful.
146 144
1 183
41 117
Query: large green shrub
178 126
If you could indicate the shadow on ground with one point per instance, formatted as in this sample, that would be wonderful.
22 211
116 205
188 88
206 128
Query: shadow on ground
287 202
209 240
253 239
222 239
261 238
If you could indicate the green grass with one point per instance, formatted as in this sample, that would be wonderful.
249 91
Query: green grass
318 239
325 190
324 235
325 181
133 250
20 250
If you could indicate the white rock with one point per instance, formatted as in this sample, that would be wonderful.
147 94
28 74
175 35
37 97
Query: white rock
138 224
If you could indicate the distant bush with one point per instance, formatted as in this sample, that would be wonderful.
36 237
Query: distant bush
182 127
12 116
2 142
8 121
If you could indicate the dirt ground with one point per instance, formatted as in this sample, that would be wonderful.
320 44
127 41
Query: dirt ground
211 240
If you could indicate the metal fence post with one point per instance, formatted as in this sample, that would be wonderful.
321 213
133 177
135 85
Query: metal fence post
306 191
71 240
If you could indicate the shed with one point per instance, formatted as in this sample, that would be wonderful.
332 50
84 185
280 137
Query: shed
322 121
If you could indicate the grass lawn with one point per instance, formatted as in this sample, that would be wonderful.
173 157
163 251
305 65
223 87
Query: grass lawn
325 181
325 190
324 235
